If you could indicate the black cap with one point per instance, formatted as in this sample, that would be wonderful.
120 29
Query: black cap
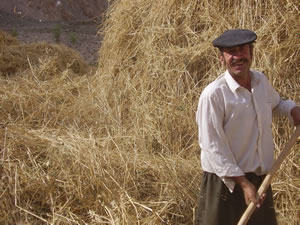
231 38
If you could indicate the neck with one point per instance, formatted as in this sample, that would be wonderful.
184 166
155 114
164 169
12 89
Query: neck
243 80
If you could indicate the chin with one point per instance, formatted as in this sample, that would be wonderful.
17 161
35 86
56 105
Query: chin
236 72
240 72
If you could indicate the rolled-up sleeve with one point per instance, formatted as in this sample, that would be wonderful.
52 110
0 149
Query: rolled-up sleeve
280 107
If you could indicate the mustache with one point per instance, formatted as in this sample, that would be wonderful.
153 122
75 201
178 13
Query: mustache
239 60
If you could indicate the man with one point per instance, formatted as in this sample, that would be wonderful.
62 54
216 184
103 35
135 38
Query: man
234 117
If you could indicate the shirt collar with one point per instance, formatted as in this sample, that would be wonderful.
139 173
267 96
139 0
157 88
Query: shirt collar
254 79
233 85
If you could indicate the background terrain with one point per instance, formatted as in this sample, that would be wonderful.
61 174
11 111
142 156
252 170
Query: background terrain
72 23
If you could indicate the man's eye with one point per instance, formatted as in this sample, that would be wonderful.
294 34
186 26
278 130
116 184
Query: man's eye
244 48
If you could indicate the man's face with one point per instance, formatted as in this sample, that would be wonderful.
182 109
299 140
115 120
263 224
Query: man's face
237 59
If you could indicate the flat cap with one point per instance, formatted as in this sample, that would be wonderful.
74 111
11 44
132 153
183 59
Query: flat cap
235 37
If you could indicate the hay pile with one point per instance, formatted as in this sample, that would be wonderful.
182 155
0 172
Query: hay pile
51 59
120 146
163 58
6 40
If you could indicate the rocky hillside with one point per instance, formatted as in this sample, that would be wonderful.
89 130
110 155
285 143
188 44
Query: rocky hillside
74 23
55 10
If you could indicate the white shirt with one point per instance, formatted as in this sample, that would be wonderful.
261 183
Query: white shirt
235 126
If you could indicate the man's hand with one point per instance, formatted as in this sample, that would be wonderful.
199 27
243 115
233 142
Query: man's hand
295 113
249 191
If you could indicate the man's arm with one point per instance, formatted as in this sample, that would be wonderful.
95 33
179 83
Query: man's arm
249 191
215 149
295 113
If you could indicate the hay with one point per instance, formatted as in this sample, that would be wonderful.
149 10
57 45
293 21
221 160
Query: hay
7 40
120 146
163 58
54 58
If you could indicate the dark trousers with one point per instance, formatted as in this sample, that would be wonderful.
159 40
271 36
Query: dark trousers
218 206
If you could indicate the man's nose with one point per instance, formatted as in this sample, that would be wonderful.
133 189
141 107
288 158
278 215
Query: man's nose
238 54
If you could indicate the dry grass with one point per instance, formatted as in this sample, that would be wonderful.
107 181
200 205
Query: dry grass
120 146
50 59
7 40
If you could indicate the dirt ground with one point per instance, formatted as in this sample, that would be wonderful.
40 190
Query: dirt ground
83 36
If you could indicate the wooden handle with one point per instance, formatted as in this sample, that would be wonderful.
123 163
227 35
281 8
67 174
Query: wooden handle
267 181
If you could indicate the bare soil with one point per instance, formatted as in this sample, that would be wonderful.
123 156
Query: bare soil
80 35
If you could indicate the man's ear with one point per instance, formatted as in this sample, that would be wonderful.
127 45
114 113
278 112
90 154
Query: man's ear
221 58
